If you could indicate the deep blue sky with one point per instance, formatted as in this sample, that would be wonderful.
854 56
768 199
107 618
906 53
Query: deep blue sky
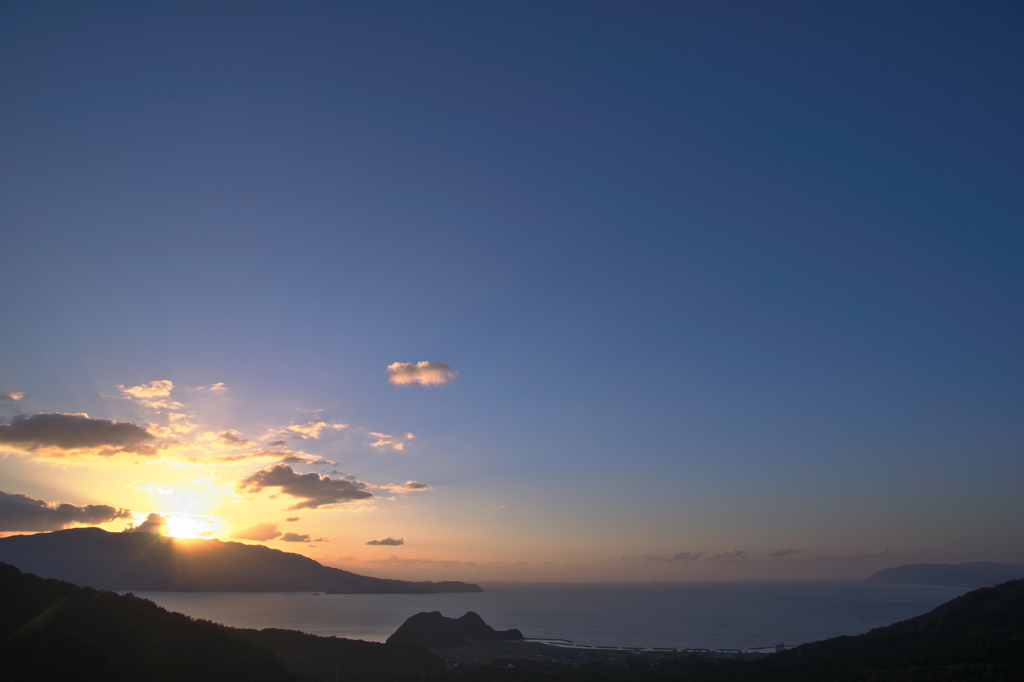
713 276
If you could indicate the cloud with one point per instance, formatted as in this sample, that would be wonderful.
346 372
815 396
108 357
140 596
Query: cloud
783 552
12 396
310 429
292 519
681 556
312 489
423 373
179 423
386 441
408 486
731 555
154 395
23 513
295 537
389 541
228 440
260 532
216 388
302 458
154 523
416 485
72 432
685 556
154 389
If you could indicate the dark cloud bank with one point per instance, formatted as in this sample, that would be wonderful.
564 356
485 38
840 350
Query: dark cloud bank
24 513
388 541
312 489
70 431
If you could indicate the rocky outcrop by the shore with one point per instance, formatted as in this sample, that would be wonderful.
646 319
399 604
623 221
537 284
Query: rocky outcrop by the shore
433 629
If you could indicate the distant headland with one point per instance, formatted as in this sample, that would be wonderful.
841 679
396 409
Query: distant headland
974 574
145 562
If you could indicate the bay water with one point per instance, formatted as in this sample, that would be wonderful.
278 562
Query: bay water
711 615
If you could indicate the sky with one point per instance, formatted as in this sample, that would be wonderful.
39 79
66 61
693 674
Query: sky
586 291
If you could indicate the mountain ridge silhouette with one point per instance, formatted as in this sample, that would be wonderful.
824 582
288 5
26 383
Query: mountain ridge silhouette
95 558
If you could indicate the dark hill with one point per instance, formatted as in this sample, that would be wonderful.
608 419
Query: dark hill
51 630
975 574
977 636
433 629
333 658
143 561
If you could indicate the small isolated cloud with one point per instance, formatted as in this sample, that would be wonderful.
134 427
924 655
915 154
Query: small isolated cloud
783 552
154 523
386 441
313 490
12 396
302 458
389 541
292 519
404 488
72 432
731 555
260 532
232 438
154 389
321 540
154 395
216 388
311 429
416 485
23 513
423 373
294 537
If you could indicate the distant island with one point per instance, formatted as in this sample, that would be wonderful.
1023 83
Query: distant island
146 562
974 574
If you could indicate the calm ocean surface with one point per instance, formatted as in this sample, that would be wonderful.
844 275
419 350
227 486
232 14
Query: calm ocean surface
720 615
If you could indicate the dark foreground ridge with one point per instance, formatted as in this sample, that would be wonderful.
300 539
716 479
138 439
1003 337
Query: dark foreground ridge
51 630
974 574
433 629
143 561
979 636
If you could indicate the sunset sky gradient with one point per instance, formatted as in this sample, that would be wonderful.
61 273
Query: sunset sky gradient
518 291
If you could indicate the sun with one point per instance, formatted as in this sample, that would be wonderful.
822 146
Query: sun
187 527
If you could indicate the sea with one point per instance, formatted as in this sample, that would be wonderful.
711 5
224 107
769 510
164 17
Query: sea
685 615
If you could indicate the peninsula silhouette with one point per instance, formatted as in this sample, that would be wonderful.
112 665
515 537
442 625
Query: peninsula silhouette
92 557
